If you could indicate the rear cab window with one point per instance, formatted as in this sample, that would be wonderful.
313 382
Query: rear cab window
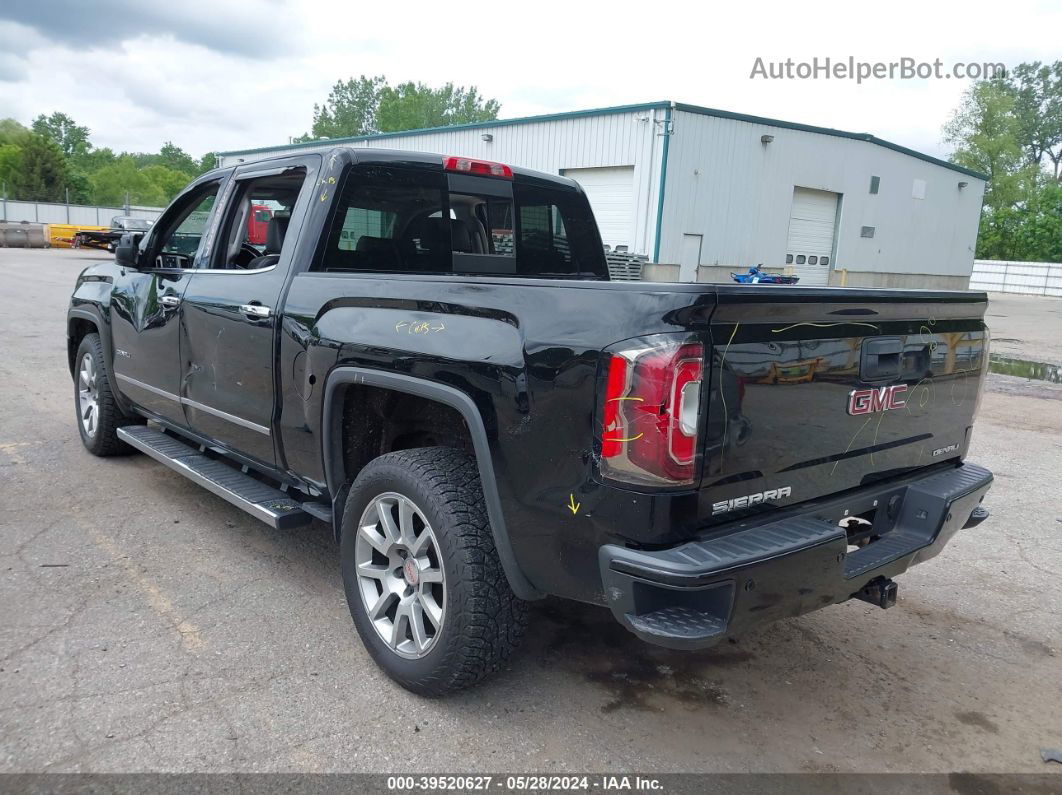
400 219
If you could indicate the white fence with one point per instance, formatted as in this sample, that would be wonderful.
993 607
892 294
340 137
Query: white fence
1031 278
77 214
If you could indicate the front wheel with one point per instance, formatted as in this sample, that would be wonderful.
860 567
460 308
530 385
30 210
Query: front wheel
98 413
423 581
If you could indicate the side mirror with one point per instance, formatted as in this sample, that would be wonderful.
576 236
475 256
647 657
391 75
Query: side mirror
127 251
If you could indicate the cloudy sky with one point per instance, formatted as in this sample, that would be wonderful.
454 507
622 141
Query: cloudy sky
225 75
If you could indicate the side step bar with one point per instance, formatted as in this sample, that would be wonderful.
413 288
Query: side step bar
264 502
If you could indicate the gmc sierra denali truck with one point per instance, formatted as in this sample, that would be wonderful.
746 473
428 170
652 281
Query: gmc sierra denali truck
428 354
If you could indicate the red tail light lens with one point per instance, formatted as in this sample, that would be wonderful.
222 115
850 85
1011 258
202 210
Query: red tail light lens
483 168
651 411
615 389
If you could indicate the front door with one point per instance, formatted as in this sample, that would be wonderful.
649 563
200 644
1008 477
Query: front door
146 317
231 306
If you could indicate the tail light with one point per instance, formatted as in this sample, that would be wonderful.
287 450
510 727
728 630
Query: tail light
483 168
651 410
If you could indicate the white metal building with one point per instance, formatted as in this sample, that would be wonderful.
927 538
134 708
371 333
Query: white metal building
702 192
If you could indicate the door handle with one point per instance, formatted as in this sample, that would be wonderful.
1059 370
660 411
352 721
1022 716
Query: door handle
256 310
170 301
881 358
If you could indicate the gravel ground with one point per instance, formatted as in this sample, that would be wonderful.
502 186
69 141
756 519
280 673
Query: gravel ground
147 625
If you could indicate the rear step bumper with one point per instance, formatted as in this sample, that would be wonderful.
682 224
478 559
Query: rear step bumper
691 596
262 501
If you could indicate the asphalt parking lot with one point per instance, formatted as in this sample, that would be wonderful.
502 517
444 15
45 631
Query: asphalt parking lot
147 625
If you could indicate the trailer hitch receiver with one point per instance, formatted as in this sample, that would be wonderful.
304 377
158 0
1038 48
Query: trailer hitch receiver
879 591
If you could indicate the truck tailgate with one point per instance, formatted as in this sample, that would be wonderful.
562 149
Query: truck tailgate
814 392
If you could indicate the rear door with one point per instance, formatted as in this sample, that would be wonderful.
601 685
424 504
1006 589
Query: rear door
814 392
230 308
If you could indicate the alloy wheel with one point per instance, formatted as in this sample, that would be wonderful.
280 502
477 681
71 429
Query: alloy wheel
88 397
400 574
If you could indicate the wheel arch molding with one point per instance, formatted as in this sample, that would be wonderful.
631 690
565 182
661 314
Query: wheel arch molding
88 313
337 477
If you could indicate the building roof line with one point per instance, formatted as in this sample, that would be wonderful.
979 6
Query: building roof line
574 114
570 114
791 125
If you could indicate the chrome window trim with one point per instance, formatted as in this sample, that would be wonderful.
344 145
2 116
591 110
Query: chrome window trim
234 271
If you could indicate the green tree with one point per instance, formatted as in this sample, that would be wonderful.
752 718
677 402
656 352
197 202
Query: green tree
414 106
366 105
11 132
176 159
349 110
167 182
112 183
208 162
985 132
1011 129
71 137
1037 92
1039 235
42 173
93 160
10 158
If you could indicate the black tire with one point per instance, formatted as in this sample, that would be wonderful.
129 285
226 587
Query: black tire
103 440
483 621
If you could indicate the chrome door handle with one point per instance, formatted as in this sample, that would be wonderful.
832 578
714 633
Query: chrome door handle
170 301
256 310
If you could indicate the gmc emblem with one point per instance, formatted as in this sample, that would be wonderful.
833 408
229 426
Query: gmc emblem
885 398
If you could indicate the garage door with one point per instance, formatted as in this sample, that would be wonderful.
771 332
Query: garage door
811 226
611 194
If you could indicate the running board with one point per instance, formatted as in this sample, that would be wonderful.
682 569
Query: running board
264 502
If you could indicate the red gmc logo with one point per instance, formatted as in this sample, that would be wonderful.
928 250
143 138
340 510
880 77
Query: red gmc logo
868 401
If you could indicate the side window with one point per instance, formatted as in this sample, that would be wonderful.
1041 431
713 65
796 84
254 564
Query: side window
412 220
359 222
556 234
388 219
256 221
179 239
481 226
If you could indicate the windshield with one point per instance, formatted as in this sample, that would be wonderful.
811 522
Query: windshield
130 224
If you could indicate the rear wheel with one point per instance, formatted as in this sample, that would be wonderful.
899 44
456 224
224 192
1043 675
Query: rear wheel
98 413
423 581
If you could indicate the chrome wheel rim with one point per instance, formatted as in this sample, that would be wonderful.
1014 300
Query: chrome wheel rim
400 575
88 397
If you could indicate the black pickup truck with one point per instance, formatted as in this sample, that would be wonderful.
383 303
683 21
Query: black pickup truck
428 354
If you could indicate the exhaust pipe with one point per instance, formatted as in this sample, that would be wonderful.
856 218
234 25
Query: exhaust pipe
880 591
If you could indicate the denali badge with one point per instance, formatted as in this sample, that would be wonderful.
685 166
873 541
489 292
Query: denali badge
868 401
750 499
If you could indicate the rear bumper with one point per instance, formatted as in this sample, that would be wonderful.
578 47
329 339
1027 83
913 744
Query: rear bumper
693 595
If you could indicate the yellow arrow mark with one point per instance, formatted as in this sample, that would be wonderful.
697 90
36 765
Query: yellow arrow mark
573 506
